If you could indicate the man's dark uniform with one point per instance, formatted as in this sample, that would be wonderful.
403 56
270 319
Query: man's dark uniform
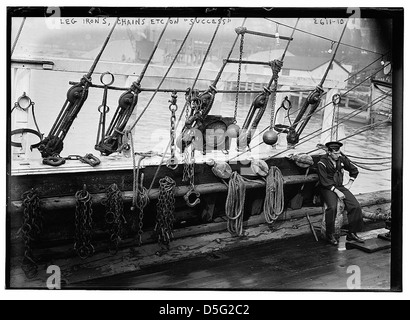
331 177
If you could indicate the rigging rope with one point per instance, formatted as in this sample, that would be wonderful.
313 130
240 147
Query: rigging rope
274 199
323 107
369 105
185 107
163 78
345 93
363 129
301 142
235 204
347 117
17 36
321 37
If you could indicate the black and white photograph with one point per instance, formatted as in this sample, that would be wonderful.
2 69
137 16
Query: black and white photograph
220 149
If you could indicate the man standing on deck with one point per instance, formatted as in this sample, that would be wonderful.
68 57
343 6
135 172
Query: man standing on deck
331 167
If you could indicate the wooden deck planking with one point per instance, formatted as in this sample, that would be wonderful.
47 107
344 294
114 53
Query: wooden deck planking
298 263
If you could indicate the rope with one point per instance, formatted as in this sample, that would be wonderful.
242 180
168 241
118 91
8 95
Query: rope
363 129
163 78
316 111
321 37
367 158
17 36
235 204
369 105
320 108
370 169
152 53
274 200
140 197
185 106
346 117
376 124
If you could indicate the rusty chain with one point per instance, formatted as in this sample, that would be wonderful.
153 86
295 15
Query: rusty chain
189 175
140 199
238 81
83 224
172 163
30 230
165 211
114 214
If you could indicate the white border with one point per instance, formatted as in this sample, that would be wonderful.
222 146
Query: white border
204 295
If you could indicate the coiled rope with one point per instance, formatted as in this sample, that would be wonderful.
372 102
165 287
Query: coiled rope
274 199
235 204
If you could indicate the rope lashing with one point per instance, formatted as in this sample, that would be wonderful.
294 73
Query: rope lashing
235 204
274 199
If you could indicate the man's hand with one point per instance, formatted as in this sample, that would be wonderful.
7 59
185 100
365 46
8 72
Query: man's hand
340 194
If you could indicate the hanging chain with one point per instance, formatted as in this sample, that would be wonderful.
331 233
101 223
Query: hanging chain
140 199
188 96
276 67
239 77
83 224
188 166
190 176
172 163
165 210
114 214
30 230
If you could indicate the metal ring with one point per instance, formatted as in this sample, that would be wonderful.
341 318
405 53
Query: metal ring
289 104
106 109
336 99
102 78
281 128
54 161
172 163
24 97
173 107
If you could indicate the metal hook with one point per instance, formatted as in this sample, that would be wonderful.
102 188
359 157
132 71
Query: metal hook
188 194
172 163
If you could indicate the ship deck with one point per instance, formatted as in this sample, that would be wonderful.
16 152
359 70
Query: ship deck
293 264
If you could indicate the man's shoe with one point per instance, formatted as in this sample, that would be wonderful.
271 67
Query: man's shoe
332 240
354 237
